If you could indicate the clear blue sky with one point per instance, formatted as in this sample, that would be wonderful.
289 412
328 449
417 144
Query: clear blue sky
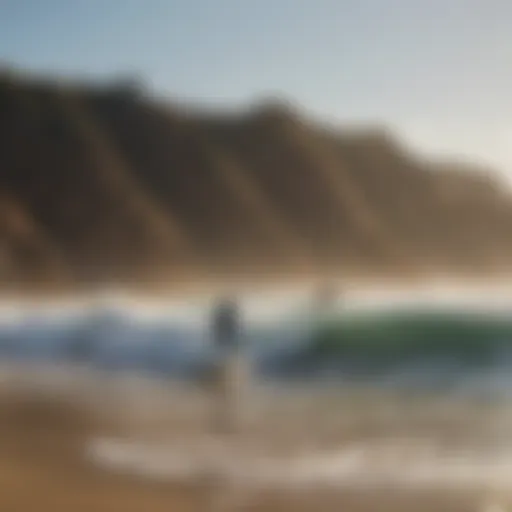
438 71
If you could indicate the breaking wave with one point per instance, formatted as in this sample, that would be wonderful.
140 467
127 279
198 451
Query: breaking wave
404 347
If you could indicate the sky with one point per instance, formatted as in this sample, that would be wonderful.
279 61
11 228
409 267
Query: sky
438 72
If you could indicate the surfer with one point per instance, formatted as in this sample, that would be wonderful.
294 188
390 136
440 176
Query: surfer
230 366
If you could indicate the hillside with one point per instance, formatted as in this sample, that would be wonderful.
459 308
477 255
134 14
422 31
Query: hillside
104 183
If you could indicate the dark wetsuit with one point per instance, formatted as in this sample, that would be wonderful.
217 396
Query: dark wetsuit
226 329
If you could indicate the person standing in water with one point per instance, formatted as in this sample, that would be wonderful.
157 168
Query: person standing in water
230 372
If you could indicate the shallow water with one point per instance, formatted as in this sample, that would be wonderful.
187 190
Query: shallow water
291 435
323 438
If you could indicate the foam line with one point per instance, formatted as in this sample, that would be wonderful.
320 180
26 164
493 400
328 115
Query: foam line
362 465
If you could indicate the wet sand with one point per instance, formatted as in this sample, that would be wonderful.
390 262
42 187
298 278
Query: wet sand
43 437
41 470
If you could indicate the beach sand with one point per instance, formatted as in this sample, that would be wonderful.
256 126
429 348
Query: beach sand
43 468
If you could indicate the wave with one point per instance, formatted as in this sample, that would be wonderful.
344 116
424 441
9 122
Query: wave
436 350
399 336
424 348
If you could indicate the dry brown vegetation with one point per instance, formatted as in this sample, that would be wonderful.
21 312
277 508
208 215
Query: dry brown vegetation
106 184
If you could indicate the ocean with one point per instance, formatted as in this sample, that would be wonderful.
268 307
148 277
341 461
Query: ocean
394 389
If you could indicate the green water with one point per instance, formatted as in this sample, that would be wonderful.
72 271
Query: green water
398 336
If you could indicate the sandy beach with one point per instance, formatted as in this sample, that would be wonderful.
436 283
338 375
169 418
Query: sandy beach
44 437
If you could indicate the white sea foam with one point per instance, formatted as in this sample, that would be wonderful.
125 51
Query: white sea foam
390 464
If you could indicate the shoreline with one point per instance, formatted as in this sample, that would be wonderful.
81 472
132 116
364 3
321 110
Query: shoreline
47 454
